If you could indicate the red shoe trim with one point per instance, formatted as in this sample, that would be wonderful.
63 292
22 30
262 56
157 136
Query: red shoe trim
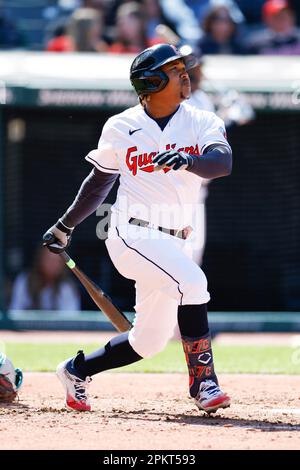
78 405
216 401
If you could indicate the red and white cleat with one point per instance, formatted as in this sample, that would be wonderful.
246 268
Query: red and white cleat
210 397
76 388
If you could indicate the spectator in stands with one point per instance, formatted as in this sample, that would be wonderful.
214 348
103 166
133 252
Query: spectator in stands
108 7
154 17
202 7
221 34
251 9
60 41
281 35
86 30
45 286
130 32
184 16
83 33
182 19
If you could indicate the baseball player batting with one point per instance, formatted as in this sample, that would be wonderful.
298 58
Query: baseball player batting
161 148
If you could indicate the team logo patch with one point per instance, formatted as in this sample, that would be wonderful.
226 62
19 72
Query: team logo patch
143 161
204 358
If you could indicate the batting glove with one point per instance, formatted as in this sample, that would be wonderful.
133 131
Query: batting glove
58 237
173 159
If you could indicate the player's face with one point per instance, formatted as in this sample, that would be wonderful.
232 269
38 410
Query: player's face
179 86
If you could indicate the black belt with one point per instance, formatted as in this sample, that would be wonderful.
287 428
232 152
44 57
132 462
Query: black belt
184 233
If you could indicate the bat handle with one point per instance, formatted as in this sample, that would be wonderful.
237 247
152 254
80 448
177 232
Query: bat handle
67 259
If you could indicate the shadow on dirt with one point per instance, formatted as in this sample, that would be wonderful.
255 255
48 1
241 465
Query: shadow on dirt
15 405
205 420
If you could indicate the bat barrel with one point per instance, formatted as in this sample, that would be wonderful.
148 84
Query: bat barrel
102 300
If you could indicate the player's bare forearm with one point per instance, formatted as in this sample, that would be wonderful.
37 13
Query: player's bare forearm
215 162
91 194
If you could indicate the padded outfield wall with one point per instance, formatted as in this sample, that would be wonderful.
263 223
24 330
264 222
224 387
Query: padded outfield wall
52 111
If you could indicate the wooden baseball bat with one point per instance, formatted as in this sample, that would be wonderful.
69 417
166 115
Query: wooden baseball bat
102 300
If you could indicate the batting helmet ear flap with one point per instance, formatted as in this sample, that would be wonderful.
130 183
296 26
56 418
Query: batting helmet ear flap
150 81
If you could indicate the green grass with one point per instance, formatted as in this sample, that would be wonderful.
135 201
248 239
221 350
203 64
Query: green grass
228 359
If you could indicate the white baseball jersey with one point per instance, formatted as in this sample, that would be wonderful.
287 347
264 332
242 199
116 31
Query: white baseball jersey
160 264
128 143
202 101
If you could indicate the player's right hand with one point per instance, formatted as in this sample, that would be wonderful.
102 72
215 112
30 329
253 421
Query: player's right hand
173 159
58 237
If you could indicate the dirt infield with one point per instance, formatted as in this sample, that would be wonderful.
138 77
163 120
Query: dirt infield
153 412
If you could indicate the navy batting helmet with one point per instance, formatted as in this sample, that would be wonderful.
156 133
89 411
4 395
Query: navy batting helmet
145 74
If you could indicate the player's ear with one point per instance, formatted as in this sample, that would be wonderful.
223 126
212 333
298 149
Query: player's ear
144 98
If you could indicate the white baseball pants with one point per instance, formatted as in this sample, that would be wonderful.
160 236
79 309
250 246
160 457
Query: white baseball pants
165 277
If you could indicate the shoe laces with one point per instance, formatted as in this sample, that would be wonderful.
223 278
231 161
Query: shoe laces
209 387
80 387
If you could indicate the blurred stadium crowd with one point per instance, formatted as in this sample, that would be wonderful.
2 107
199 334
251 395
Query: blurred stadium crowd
122 26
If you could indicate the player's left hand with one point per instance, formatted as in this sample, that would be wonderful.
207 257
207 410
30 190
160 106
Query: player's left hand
58 237
173 160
